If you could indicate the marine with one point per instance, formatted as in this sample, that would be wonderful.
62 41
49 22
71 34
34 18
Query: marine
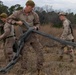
67 35
32 19
9 37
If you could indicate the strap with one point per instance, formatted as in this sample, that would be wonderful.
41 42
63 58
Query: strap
10 36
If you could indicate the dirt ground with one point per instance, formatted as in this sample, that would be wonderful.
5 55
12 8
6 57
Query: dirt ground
51 65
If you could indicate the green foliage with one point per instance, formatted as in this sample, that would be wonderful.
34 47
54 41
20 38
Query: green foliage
47 16
3 8
14 8
8 10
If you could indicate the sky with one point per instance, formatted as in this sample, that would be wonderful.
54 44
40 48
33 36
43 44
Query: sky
56 4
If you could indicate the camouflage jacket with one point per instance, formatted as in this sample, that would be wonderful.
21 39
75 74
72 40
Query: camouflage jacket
31 18
67 32
1 27
8 31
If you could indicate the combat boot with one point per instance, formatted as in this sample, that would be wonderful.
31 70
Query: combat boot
42 73
60 58
71 53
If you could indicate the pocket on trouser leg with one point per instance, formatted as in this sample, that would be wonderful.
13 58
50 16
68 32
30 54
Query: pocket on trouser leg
9 54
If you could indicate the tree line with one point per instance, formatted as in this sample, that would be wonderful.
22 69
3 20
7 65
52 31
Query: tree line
46 14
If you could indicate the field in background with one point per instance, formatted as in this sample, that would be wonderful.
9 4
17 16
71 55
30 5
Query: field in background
52 66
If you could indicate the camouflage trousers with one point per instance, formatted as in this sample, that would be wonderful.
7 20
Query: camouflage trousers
69 50
37 47
8 50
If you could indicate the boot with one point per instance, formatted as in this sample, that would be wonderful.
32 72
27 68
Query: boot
60 58
40 72
71 53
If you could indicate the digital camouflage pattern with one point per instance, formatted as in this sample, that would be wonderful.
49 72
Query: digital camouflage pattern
8 31
66 35
32 19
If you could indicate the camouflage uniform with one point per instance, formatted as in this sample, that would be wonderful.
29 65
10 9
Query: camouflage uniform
1 32
1 27
67 35
3 15
33 20
9 36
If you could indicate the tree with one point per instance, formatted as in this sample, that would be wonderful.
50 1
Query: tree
14 8
3 8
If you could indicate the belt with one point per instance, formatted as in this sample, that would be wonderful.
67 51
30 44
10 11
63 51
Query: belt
10 36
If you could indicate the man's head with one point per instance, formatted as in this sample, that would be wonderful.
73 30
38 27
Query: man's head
62 16
3 17
29 6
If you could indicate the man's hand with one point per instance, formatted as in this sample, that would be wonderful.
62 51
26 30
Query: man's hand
36 27
19 22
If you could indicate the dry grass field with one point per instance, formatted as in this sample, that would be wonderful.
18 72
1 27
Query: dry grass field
52 66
